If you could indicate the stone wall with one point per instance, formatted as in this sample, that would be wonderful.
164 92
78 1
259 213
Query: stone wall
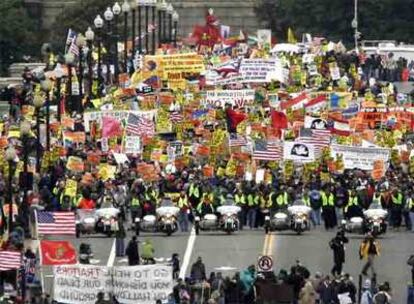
237 14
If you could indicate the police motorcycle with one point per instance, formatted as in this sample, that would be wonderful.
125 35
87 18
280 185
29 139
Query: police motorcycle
226 219
107 220
165 219
85 221
295 217
373 221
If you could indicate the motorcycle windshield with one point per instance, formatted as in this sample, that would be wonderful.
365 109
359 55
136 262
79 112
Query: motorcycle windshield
163 210
85 213
232 209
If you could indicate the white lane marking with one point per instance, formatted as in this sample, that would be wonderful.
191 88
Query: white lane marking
111 258
188 252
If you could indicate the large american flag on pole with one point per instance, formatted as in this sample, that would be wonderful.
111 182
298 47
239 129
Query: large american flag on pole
10 260
268 151
319 138
56 223
138 125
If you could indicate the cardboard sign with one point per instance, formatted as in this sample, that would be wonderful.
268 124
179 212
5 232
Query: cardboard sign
298 151
218 99
132 145
360 158
75 164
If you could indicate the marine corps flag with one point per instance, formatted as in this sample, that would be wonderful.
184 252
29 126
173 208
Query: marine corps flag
57 253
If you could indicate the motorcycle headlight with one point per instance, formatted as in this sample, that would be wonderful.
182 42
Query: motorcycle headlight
280 216
89 220
375 218
197 218
137 220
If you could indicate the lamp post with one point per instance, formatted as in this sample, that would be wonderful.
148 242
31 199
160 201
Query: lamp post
164 7
108 15
38 103
10 157
134 6
116 9
126 9
170 11
90 36
81 43
354 25
46 86
25 127
98 22
153 5
69 60
175 18
140 3
58 74
147 4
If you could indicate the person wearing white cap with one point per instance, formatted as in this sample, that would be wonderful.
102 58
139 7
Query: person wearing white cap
366 297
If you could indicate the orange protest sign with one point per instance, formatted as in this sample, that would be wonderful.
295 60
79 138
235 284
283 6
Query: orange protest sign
75 137
68 122
208 171
203 150
3 142
75 164
241 156
94 158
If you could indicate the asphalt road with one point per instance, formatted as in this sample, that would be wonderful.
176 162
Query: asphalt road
239 250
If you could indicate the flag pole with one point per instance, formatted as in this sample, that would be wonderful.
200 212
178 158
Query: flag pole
42 279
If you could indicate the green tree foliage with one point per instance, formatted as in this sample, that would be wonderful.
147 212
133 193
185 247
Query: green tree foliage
378 19
77 17
17 34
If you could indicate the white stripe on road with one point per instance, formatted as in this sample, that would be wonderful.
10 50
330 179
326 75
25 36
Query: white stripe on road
188 252
111 258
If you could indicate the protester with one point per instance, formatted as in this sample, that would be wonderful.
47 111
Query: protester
337 245
132 252
368 250
198 270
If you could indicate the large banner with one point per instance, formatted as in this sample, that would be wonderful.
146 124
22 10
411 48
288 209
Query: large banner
138 284
80 283
238 98
142 284
359 157
118 115
262 70
298 152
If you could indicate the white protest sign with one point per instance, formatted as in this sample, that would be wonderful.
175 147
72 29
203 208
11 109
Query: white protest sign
260 173
132 145
298 151
359 157
118 115
264 37
142 284
238 98
120 158
75 284
260 70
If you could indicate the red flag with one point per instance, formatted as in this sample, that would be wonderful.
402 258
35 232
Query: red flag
279 120
57 253
295 103
111 127
235 117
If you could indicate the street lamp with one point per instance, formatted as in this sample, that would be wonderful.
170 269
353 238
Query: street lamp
108 15
354 25
98 22
81 43
175 18
38 104
126 8
10 157
170 11
46 87
90 36
25 128
153 5
58 75
69 60
147 5
134 6
140 4
116 9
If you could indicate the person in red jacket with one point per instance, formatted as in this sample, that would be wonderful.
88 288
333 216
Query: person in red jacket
234 118
86 202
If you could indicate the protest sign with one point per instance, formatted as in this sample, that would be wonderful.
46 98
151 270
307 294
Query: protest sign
75 164
132 145
142 284
298 152
359 157
71 188
261 70
80 283
238 98
264 37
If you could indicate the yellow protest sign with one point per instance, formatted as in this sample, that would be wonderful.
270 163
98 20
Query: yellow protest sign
106 172
71 188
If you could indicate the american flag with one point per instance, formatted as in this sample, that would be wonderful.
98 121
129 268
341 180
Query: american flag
71 42
318 138
10 260
268 151
56 223
237 142
137 125
176 117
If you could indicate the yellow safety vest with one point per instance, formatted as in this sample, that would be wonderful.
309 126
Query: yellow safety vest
194 191
327 201
352 201
135 202
282 199
397 200
182 202
252 200
240 199
306 201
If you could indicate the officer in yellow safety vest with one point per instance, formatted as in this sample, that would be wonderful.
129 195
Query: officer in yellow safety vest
328 209
396 210
136 208
282 200
184 206
240 200
352 208
194 194
306 198
252 204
